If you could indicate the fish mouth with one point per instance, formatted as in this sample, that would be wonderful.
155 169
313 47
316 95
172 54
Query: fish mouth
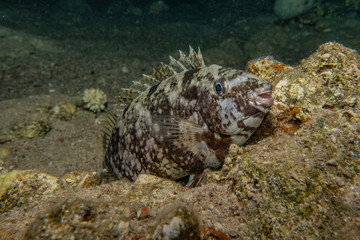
264 99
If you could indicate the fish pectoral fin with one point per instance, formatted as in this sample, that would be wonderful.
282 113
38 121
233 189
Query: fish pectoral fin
197 180
179 136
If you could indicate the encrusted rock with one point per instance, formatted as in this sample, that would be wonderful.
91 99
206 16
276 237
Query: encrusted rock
30 129
176 222
287 9
21 187
328 79
80 219
64 111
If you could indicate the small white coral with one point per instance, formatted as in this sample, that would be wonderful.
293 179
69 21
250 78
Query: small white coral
94 99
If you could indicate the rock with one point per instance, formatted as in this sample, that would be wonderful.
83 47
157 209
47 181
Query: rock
30 129
312 103
266 67
142 213
287 9
5 153
64 111
118 210
73 218
21 187
218 227
176 222
125 69
6 179
328 79
81 179
148 179
213 233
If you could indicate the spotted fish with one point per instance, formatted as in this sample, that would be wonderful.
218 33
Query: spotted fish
186 119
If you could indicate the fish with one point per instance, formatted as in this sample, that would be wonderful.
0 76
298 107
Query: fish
185 119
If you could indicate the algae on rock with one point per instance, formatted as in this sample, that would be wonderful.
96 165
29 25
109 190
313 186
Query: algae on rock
304 179
328 79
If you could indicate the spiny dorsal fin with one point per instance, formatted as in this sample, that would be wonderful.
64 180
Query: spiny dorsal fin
127 95
169 70
177 64
159 74
194 60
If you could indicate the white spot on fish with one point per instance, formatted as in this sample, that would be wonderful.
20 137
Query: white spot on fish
252 121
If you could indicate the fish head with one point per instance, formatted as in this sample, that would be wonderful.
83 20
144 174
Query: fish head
232 101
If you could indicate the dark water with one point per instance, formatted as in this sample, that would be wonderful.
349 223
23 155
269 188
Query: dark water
69 45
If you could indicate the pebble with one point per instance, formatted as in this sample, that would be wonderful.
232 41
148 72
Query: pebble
147 178
142 213
124 69
174 229
5 153
218 227
176 222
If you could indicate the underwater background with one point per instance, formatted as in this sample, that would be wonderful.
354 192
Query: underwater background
69 45
63 65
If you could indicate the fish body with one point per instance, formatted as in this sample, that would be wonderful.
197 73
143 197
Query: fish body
185 123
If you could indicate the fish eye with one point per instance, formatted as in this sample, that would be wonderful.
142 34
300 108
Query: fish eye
220 87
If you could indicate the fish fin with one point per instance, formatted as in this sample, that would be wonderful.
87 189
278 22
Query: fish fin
163 73
193 60
105 174
177 64
179 136
127 95
107 129
196 180
196 58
